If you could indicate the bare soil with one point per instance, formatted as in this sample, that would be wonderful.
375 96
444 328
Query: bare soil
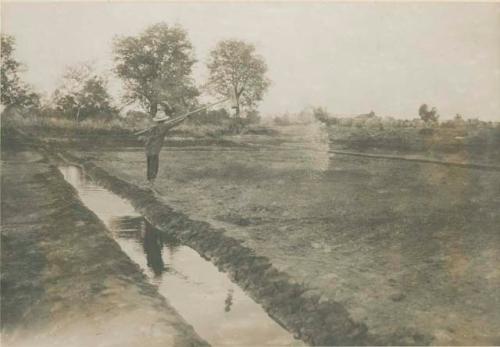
64 281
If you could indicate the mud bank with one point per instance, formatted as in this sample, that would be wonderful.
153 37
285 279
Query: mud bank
229 316
299 309
65 282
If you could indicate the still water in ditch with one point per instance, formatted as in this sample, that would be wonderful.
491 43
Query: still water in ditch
206 298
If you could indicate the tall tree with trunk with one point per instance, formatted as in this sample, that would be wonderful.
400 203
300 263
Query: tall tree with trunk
236 70
14 92
156 67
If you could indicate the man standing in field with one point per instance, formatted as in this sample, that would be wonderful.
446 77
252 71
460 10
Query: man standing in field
154 138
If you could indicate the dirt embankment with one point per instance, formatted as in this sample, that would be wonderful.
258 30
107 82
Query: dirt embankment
65 282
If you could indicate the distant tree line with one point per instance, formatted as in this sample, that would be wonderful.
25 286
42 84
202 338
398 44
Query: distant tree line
156 69
427 119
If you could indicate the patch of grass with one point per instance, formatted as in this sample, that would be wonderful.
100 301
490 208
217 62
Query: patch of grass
468 143
64 126
122 126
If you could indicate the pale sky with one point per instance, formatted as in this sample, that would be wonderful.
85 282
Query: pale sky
348 57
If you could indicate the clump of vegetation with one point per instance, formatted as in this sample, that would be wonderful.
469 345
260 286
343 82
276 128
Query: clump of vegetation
83 95
219 122
60 127
156 68
237 71
424 134
321 114
305 116
14 92
428 116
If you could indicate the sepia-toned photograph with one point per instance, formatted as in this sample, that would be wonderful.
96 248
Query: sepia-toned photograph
250 173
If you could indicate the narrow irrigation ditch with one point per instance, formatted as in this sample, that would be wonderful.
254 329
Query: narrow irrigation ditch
220 311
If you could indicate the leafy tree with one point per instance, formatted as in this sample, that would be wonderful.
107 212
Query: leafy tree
235 70
14 92
83 94
321 114
423 110
156 67
426 115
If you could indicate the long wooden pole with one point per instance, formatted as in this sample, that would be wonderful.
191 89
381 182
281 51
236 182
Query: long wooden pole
179 119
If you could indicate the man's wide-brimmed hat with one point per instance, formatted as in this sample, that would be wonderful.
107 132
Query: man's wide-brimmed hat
161 118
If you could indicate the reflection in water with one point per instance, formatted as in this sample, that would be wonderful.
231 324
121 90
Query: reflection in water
192 285
152 247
